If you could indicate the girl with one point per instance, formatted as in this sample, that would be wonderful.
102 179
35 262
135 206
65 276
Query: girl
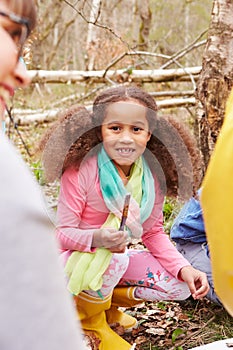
34 302
133 152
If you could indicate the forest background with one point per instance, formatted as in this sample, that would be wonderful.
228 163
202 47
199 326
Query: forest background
127 35
83 46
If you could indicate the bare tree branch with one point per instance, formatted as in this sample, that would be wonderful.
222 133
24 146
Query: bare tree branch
53 53
186 49
132 53
103 26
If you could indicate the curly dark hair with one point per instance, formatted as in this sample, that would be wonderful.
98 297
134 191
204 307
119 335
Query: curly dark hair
172 152
123 93
66 142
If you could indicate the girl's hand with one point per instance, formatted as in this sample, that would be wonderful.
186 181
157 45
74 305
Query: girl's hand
115 241
196 280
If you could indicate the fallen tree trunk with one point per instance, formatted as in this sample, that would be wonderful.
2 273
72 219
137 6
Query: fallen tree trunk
25 117
120 75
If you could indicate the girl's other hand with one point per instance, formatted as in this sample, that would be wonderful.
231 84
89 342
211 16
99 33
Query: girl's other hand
196 280
116 241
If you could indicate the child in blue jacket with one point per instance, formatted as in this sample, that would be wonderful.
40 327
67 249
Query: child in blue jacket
188 232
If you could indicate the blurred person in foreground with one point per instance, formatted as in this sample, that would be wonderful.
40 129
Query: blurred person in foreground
216 201
36 310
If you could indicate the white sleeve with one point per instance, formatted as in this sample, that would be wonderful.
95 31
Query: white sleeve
36 311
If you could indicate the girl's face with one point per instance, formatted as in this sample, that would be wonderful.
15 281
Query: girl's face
13 73
125 132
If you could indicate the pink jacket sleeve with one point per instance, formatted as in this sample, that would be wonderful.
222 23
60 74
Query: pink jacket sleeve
74 230
158 242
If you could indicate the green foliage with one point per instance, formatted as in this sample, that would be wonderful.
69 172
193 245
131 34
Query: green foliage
162 305
167 209
149 347
171 209
130 70
176 333
38 172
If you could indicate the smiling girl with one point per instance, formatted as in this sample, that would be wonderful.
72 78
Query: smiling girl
134 152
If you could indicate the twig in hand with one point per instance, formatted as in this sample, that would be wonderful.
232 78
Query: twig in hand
125 212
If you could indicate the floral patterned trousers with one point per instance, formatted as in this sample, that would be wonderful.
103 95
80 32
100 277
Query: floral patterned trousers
141 269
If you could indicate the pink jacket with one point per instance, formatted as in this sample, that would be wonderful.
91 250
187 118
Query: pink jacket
81 210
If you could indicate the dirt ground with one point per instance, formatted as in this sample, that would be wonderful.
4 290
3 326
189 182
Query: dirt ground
173 326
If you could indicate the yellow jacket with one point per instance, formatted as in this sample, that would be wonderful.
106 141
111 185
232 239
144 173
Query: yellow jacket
216 200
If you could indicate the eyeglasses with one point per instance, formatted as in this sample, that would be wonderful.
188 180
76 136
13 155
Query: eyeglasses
19 35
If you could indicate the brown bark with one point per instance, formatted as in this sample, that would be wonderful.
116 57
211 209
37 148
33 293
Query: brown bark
145 26
216 78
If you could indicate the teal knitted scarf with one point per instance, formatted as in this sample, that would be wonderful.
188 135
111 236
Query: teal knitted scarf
140 185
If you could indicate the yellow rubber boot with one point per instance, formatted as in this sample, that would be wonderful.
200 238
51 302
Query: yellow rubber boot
123 296
91 312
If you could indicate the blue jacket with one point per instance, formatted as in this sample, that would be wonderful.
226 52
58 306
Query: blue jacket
189 224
